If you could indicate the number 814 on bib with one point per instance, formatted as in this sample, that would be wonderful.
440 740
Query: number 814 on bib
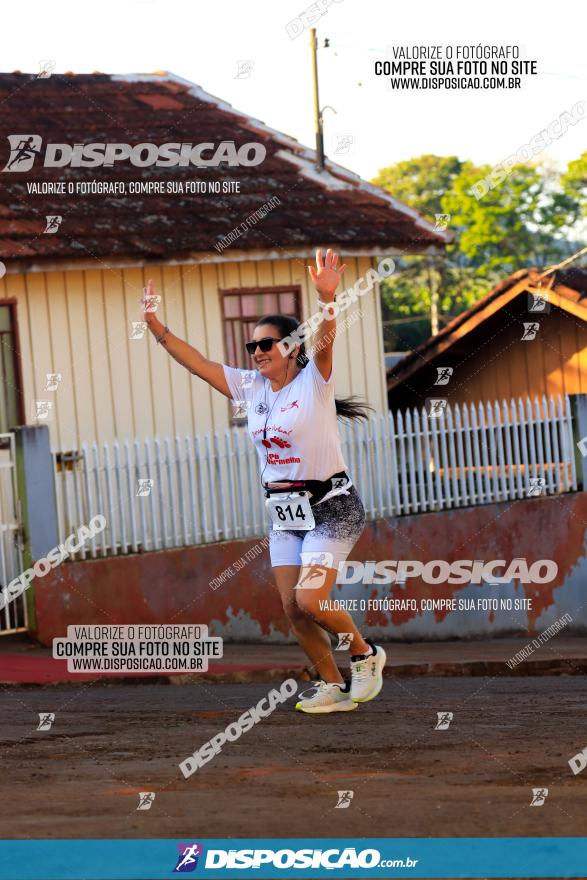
290 510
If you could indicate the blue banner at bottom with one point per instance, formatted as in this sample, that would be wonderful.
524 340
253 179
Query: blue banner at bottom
365 858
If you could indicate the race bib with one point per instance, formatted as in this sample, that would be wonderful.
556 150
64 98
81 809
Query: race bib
290 510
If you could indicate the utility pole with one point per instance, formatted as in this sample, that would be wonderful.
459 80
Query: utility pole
433 300
317 113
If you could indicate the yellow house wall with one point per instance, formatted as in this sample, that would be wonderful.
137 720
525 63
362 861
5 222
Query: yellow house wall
77 322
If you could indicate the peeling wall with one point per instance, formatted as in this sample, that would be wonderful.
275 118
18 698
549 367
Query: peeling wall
174 586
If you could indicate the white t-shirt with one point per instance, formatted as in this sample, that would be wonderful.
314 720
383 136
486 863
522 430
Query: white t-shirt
301 422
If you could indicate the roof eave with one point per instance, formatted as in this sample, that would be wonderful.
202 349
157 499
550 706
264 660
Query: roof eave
456 329
17 266
492 302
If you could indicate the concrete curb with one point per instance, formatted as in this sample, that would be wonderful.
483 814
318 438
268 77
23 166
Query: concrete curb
261 673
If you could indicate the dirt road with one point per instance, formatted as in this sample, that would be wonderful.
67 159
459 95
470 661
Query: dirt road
109 742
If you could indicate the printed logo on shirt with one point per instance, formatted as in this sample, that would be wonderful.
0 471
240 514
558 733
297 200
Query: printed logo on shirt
273 458
283 444
270 428
291 405
261 408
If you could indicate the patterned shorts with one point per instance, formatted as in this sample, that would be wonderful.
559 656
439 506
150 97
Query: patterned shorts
339 523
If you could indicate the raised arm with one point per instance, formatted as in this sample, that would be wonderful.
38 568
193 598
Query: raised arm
185 354
325 277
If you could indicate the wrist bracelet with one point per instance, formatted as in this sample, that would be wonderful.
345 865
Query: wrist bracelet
324 304
165 332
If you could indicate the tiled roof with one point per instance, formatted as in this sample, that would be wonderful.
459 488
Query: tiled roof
565 288
315 207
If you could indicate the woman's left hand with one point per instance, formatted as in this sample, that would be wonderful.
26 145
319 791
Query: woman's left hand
326 275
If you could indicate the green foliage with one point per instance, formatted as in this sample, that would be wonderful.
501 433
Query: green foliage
574 181
421 182
526 220
514 225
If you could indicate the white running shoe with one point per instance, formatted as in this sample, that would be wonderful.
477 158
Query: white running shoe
327 698
367 674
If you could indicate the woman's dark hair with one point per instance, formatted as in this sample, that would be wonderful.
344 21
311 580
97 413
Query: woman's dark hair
346 407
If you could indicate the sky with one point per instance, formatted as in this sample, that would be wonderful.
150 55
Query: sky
206 43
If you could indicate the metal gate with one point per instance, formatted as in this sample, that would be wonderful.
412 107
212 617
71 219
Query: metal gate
13 617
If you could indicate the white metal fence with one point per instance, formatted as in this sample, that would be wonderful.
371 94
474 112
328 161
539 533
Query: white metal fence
195 490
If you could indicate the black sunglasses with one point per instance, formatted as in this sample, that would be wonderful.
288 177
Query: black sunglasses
265 344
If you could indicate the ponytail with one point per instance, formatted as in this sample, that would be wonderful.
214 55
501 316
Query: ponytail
349 408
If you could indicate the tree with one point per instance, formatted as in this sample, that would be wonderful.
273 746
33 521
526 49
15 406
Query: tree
574 181
421 182
517 223
525 220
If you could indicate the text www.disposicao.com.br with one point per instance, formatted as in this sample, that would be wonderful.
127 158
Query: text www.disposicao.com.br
135 664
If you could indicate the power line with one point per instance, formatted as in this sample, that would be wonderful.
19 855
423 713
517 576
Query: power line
563 263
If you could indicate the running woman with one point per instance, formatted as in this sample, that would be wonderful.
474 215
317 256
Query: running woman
316 511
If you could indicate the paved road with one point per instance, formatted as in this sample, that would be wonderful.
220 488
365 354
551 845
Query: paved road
109 742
